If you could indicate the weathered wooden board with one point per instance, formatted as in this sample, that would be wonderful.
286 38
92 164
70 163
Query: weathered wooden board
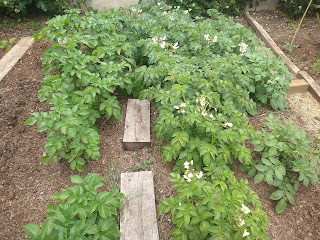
138 220
8 61
270 43
137 125
314 87
298 86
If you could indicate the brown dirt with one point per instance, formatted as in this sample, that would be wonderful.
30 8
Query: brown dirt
10 28
26 184
296 222
306 46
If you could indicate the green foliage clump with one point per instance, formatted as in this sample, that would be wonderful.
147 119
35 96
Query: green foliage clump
199 8
91 63
215 208
81 213
7 44
295 9
205 76
287 159
25 8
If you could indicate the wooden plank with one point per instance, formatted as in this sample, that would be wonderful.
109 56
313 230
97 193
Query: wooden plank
298 86
138 220
137 125
8 61
313 86
270 43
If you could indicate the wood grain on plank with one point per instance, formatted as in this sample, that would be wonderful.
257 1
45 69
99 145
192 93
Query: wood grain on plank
8 61
298 86
137 125
138 220
314 87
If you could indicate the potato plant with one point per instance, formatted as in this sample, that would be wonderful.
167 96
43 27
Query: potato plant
81 213
286 160
205 77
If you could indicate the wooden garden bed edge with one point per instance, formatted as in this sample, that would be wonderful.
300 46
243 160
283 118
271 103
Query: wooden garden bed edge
313 86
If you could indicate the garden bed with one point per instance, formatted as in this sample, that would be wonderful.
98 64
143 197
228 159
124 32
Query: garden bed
11 29
26 184
306 46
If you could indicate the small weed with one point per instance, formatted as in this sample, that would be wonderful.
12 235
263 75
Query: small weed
113 172
36 26
6 24
144 165
316 66
137 156
288 47
7 44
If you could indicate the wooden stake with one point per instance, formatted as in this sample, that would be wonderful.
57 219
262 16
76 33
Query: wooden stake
301 22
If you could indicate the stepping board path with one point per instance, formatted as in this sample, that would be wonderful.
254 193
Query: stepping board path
138 220
137 125
12 57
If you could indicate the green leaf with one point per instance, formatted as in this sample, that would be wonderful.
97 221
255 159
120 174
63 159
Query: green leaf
82 213
104 211
272 151
252 172
31 121
3 43
258 148
276 195
269 178
8 48
281 206
258 178
45 159
204 228
261 168
33 230
313 162
47 227
276 183
278 174
11 40
290 198
266 162
76 179
72 131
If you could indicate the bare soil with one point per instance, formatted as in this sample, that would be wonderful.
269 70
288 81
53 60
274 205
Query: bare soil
26 184
306 45
10 28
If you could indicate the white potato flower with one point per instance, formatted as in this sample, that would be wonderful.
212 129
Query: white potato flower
175 46
245 233
215 38
155 40
163 44
245 209
199 175
228 124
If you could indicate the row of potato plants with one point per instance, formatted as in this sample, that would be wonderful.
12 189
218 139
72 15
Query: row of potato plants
204 76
